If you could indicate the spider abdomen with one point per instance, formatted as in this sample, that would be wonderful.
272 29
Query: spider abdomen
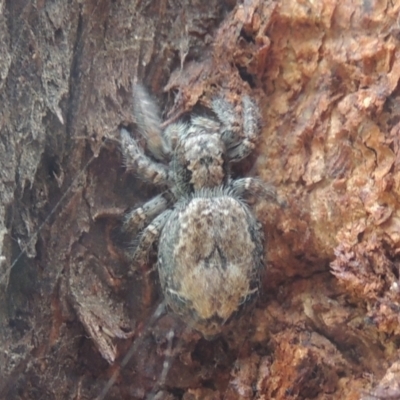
210 259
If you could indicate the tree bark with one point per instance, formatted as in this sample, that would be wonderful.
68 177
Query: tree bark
326 76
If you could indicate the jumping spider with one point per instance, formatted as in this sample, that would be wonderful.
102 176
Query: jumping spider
211 247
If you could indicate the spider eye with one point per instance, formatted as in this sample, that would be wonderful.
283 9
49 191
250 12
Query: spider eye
206 160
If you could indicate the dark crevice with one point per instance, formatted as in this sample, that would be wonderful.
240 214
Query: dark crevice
74 87
246 36
246 76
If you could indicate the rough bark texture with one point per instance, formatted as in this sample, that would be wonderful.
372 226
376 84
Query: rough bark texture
326 75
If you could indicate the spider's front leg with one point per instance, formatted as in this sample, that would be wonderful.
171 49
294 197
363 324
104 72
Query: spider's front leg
135 160
148 122
173 133
238 148
227 116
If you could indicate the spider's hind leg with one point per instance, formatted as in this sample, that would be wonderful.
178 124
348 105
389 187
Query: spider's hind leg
140 217
253 189
149 235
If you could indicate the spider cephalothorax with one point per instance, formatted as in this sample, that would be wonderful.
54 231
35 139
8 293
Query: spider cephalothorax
211 247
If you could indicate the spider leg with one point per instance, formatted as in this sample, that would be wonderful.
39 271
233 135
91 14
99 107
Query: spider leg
228 117
149 235
138 218
173 132
148 121
135 160
205 123
251 131
252 189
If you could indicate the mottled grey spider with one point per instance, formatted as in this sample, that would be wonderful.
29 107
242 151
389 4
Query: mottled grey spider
211 247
